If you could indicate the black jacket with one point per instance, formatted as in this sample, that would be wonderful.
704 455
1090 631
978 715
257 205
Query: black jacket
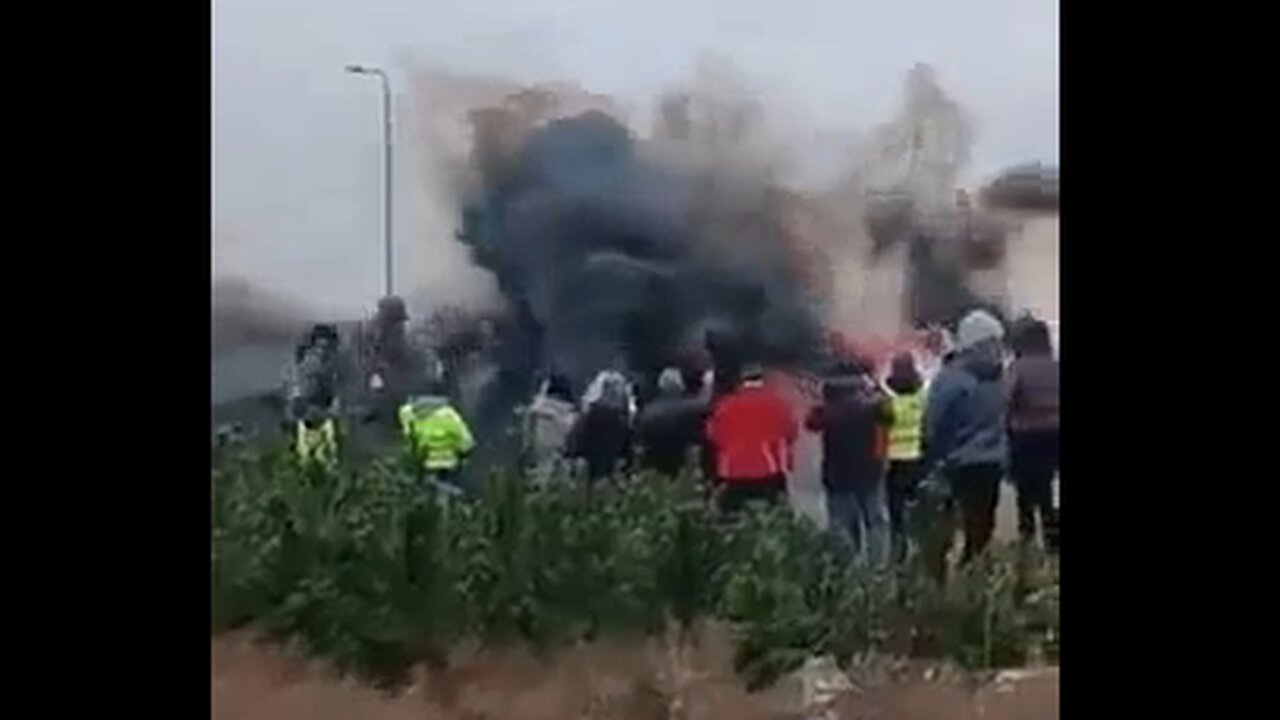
1033 394
602 437
850 418
668 428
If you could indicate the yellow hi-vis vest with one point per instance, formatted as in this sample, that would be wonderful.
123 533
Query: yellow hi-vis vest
440 436
907 430
317 445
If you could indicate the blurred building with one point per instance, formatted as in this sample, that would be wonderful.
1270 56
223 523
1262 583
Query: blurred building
1024 200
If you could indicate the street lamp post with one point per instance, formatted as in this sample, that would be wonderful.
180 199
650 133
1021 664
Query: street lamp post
386 166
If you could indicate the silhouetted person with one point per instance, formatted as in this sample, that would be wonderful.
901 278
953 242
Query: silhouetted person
670 426
1034 429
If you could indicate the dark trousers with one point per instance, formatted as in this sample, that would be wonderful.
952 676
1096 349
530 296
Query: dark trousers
736 495
901 482
975 491
447 481
1034 463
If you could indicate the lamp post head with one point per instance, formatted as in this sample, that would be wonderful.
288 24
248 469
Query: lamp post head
368 70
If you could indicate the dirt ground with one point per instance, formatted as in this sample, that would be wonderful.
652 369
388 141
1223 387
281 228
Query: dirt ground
251 682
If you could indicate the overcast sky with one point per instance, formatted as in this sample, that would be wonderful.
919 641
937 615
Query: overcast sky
295 155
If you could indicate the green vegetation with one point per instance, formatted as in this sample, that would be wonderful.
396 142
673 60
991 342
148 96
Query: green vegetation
369 568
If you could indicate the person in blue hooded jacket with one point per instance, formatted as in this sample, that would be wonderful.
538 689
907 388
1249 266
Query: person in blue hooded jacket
965 441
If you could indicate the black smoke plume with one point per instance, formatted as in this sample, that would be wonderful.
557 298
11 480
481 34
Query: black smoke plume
613 258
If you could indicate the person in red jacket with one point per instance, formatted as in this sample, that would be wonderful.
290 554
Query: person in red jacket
752 431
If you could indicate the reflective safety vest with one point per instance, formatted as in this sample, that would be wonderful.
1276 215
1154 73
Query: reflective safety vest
440 435
317 444
907 430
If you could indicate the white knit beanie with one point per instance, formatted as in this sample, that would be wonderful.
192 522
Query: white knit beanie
976 328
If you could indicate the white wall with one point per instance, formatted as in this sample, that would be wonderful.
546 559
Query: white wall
1032 266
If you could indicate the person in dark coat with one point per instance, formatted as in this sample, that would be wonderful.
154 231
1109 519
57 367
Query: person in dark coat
602 435
670 426
965 440
851 418
726 362
1033 428
693 373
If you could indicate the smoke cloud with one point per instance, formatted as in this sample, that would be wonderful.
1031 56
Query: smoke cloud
617 249
621 250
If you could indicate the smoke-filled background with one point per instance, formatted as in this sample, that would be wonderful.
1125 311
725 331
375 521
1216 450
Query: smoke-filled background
623 250
730 138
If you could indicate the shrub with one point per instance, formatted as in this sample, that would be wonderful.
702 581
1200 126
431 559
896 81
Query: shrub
373 569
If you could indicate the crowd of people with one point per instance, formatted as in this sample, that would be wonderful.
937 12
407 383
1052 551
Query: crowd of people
987 413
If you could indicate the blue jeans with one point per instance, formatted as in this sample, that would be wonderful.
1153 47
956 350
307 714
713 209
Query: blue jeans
862 515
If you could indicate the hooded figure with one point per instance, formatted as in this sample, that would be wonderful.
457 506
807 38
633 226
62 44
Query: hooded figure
851 419
548 422
964 427
1033 427
670 426
602 434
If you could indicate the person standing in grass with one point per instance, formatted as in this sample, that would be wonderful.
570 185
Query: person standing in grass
905 388
315 374
548 422
602 435
438 437
316 438
965 440
1033 429
853 419
752 432
670 426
